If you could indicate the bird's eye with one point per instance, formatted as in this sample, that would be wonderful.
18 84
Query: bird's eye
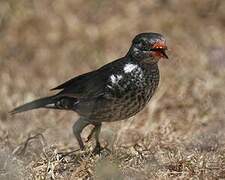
143 45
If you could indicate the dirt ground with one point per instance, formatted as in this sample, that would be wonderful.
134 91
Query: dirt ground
179 135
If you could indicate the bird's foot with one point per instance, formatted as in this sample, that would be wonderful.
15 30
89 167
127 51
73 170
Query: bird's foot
97 150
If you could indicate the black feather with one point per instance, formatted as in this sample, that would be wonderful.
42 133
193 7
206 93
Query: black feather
39 103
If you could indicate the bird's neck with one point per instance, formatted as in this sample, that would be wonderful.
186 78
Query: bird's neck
134 54
140 57
143 61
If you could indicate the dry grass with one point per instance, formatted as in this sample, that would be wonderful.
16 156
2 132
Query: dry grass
179 135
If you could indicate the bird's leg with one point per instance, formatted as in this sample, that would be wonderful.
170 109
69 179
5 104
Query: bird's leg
91 134
78 126
97 130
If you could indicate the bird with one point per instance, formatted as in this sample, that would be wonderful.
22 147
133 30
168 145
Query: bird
116 91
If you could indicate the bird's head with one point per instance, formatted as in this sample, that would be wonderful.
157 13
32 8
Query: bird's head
148 47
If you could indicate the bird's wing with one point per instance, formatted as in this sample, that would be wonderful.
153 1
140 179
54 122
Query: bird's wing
88 85
91 84
74 81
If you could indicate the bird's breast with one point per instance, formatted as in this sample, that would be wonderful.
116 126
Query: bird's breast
132 78
127 92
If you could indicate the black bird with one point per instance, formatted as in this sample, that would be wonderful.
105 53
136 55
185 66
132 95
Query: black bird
116 91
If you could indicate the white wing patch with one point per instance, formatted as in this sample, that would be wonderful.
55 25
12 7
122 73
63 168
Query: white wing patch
50 105
129 67
115 78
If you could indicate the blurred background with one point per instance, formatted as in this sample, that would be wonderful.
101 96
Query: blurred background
44 43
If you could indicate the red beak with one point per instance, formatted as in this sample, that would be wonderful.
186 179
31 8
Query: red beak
160 49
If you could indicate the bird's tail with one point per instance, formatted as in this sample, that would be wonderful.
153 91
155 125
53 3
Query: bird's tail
39 103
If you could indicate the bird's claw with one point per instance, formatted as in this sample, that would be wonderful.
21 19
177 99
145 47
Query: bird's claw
97 150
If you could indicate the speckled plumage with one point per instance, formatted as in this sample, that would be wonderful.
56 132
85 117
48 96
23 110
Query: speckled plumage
125 92
116 91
